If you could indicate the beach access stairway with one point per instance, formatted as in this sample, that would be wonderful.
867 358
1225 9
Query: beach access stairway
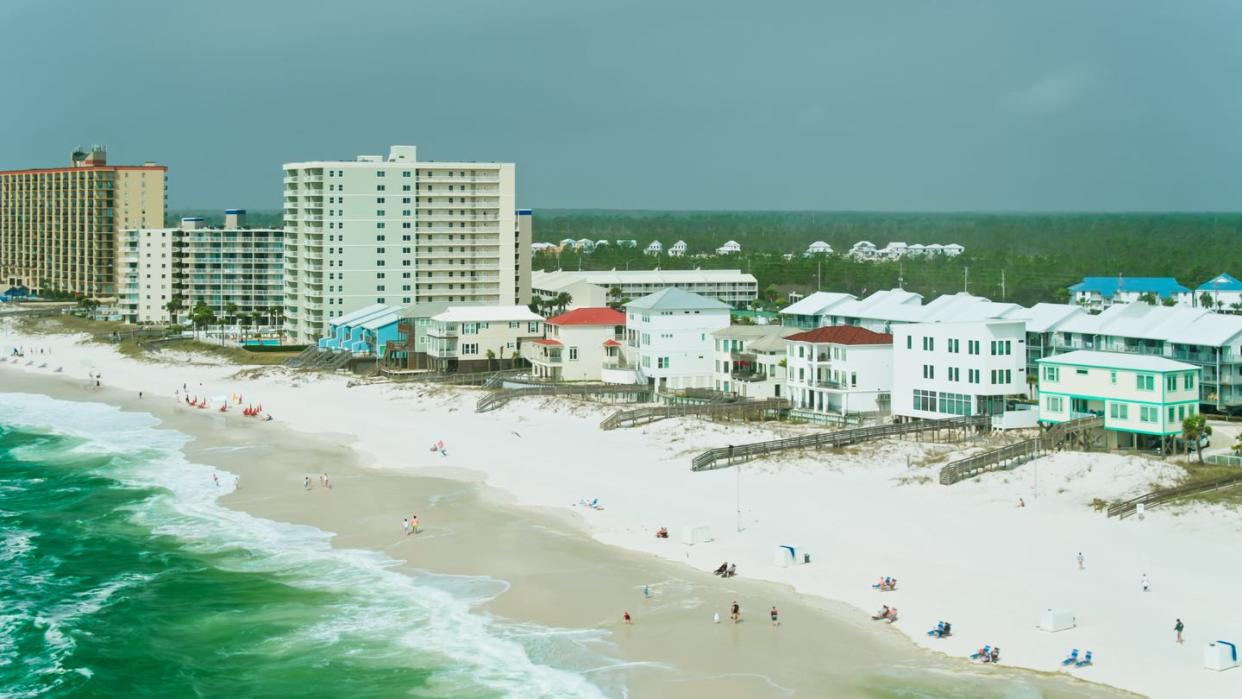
315 359
1122 510
1059 436
617 392
746 410
721 457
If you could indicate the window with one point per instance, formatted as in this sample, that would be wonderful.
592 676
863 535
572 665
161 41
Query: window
1119 411
909 342
955 346
929 344
469 328
1181 413
573 354
1147 414
379 173
1171 419
514 324
1188 380
1054 404
532 326
662 363
470 348
972 376
925 400
929 371
1080 372
955 403
1112 377
972 347
955 374
1145 382
1170 382
1052 374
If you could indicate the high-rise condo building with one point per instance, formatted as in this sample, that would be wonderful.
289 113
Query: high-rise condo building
399 231
59 226
234 270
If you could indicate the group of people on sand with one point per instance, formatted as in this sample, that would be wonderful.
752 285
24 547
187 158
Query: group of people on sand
886 584
726 570
323 482
987 654
410 525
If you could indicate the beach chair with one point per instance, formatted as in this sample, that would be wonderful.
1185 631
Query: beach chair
1072 659
984 652
1086 660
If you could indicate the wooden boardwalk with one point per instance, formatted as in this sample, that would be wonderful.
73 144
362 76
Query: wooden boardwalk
746 410
1064 435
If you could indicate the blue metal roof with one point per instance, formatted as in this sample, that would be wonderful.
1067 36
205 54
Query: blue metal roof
524 212
1221 282
1109 286
234 211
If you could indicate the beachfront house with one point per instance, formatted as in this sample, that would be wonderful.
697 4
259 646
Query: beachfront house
668 338
655 247
356 332
477 338
729 248
839 370
749 360
952 250
1223 291
958 368
1141 398
862 250
678 250
576 345
1098 293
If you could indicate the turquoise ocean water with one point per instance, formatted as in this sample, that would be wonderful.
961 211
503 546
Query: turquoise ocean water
122 576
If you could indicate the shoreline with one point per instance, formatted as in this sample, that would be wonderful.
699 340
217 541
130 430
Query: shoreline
631 538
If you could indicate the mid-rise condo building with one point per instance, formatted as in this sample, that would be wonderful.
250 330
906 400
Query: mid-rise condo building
396 230
59 226
234 270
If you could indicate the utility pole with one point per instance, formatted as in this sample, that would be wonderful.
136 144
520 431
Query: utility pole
1002 285
819 285
901 275
966 279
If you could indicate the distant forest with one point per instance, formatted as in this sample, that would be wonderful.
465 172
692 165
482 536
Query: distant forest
1038 254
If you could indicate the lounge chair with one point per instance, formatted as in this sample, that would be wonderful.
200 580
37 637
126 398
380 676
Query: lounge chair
1072 659
1086 660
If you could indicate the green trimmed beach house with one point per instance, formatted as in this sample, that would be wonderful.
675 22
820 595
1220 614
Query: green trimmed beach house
1142 398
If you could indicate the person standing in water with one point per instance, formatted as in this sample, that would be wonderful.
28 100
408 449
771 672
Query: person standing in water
735 612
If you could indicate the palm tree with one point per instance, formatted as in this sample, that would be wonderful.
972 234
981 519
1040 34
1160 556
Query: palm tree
174 307
1205 300
1148 298
562 301
202 315
230 312
1195 427
1236 306
1031 381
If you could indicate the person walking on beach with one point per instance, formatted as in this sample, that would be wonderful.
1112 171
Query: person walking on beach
646 592
306 483
405 525
715 617
1081 561
1145 583
735 612
775 617
1178 628
626 618
216 477
414 524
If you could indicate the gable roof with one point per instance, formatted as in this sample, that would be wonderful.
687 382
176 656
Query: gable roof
589 316
672 299
1221 282
1178 324
485 314
842 335
362 314
1109 286
816 303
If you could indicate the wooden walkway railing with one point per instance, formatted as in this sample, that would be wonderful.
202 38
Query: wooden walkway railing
1122 510
642 416
498 398
712 458
1012 455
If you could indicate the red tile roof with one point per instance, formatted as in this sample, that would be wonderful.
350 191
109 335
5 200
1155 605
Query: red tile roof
842 335
611 343
589 316
547 341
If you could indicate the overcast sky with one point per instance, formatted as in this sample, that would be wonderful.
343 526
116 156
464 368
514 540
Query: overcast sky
931 105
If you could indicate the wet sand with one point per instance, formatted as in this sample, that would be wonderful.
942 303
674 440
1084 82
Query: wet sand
558 577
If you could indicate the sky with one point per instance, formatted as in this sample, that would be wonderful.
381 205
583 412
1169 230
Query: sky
866 105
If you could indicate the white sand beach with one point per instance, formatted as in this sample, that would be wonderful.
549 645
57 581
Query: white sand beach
965 554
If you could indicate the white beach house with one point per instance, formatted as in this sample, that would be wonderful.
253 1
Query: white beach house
1098 293
729 248
862 250
957 368
678 249
839 370
669 338
819 247
1136 394
576 344
749 360
655 247
472 338
1223 290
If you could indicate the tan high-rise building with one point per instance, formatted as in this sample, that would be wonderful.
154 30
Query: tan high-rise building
59 226
397 230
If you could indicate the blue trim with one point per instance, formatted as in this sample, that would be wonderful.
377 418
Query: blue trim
1109 286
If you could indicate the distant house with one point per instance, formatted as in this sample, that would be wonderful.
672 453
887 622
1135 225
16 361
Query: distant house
626 243
953 250
862 250
678 249
893 251
567 243
577 346
916 250
584 244
543 248
819 247
601 243
729 248
655 247
1098 293
1225 292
